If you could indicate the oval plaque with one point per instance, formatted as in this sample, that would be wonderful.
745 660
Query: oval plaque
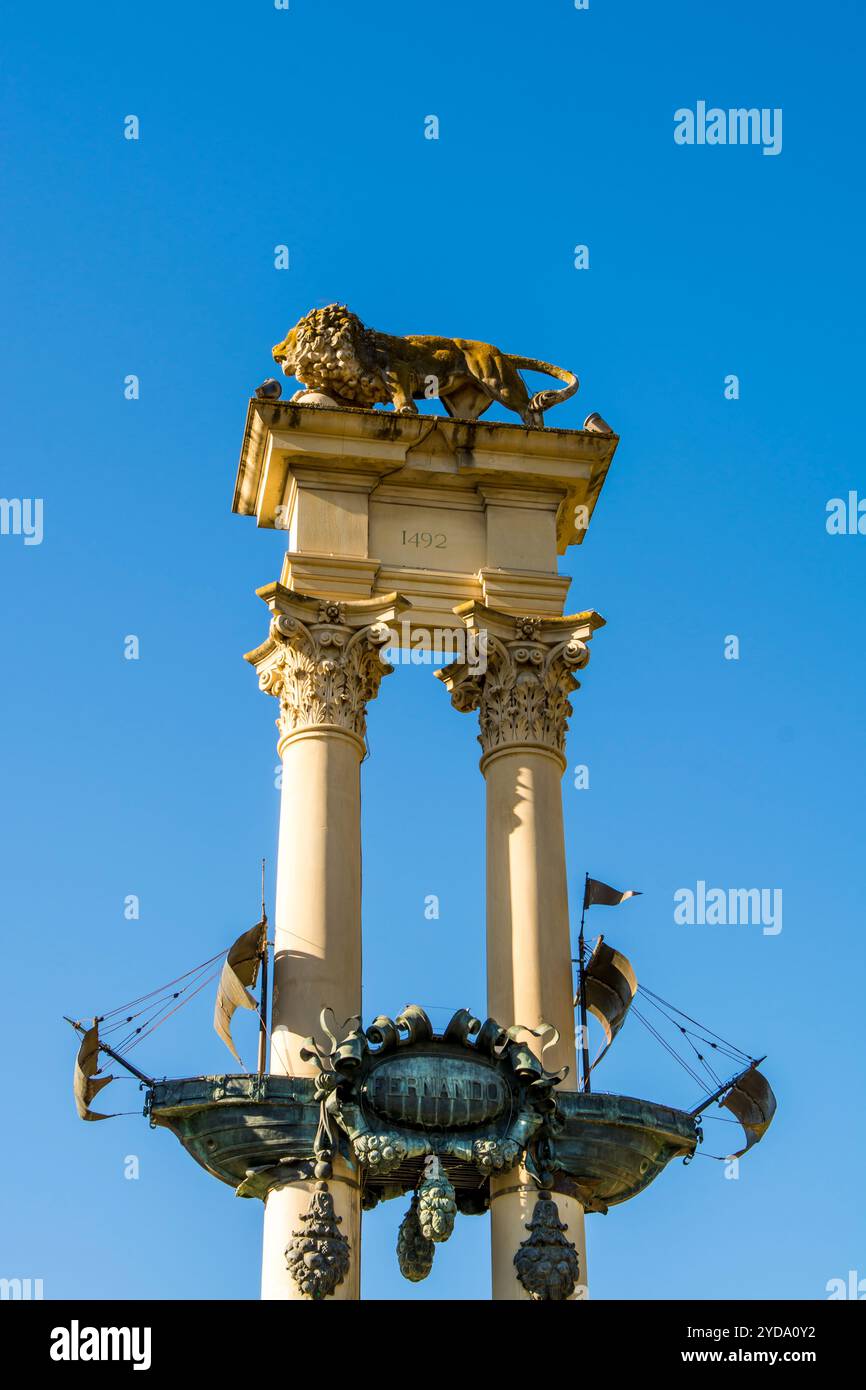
427 1091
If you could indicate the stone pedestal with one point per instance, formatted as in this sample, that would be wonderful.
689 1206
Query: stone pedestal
442 511
523 706
323 662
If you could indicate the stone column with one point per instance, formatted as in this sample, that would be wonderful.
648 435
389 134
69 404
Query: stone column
523 705
323 662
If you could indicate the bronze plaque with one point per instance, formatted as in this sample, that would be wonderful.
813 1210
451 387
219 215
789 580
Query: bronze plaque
426 1091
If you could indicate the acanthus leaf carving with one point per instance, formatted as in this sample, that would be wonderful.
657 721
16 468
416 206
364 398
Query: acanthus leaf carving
323 674
523 696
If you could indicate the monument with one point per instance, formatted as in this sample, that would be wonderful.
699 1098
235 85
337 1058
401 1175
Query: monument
405 527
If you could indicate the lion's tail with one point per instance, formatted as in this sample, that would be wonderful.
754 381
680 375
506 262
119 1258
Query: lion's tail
543 400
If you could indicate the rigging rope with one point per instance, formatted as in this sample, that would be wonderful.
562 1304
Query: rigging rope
157 1007
666 1045
160 990
152 1029
701 1058
724 1051
721 1045
644 990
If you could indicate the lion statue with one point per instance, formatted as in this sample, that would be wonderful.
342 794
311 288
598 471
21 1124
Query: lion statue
330 350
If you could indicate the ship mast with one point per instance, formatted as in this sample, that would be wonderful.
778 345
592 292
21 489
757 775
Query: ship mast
581 966
263 1007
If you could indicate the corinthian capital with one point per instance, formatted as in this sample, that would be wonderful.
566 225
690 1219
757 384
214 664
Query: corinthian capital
522 696
323 659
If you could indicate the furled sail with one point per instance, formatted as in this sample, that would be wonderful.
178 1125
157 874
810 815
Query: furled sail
239 974
611 985
751 1100
85 1084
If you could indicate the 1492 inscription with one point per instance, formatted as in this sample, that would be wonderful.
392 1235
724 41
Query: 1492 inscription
424 540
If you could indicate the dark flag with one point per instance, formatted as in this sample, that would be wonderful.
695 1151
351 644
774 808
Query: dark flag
602 895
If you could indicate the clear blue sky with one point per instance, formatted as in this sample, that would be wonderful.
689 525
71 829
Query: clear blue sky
155 777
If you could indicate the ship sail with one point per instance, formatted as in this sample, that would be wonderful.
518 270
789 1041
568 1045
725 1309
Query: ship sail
85 1084
239 974
752 1102
610 985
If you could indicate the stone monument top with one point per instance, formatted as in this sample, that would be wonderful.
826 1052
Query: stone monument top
441 509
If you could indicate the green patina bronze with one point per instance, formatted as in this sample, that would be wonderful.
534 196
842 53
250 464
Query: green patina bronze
252 1132
317 1256
474 1095
605 1149
390 1098
414 1250
547 1263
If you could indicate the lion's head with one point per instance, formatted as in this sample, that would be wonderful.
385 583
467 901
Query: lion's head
330 350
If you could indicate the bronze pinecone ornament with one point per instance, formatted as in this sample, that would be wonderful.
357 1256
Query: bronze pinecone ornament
437 1206
414 1251
318 1257
547 1264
